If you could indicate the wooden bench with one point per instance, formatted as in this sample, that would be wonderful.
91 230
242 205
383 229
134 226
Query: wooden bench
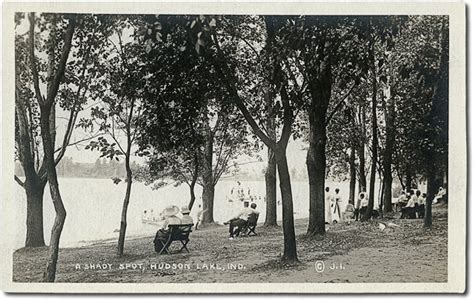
251 225
176 232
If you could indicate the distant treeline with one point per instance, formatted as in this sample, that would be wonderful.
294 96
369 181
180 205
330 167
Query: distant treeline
102 168
106 168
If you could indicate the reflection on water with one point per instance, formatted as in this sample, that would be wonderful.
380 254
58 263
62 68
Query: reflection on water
94 206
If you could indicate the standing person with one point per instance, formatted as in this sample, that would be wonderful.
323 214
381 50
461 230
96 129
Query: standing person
364 203
327 206
357 211
422 202
335 207
200 216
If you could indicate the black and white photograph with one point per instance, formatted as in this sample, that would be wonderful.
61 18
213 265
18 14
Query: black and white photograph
226 148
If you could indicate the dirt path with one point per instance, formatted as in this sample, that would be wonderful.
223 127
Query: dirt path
356 252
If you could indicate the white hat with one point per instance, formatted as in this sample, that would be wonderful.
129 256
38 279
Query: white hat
185 210
170 211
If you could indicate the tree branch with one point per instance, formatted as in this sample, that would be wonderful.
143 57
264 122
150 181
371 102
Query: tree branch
328 120
22 184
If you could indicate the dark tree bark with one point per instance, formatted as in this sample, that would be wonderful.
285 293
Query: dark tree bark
408 179
352 172
320 82
126 202
289 250
194 179
271 190
207 178
388 155
34 212
316 166
279 148
46 105
34 185
373 169
270 172
361 152
438 118
60 218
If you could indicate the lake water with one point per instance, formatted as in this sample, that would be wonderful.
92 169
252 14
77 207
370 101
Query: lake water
94 206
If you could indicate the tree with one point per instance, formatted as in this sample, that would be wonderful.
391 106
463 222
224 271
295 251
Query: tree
216 43
56 69
192 117
71 96
120 109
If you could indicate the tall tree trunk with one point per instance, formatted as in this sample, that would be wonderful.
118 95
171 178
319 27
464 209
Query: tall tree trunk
270 173
207 178
289 250
33 185
193 182
316 166
126 202
408 179
431 190
53 253
34 212
438 118
361 152
352 172
270 189
373 169
320 88
388 154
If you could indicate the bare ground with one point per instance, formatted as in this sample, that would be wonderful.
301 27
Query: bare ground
350 252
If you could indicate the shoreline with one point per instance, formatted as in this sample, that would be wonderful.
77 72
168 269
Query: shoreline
408 253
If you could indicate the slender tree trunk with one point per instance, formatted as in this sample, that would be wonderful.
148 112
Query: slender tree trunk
207 178
192 185
34 213
408 179
373 170
270 173
270 186
352 172
50 273
361 150
289 251
388 154
126 202
432 187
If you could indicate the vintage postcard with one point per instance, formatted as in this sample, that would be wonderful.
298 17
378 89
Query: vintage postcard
233 148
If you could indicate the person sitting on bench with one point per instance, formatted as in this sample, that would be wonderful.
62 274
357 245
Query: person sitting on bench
251 222
409 211
186 219
169 217
239 221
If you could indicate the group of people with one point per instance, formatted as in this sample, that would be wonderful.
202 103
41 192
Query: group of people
240 221
412 204
168 217
352 211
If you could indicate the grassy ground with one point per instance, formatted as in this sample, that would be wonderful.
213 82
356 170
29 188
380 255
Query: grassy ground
350 252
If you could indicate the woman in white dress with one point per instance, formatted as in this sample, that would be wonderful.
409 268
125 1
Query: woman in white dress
336 207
